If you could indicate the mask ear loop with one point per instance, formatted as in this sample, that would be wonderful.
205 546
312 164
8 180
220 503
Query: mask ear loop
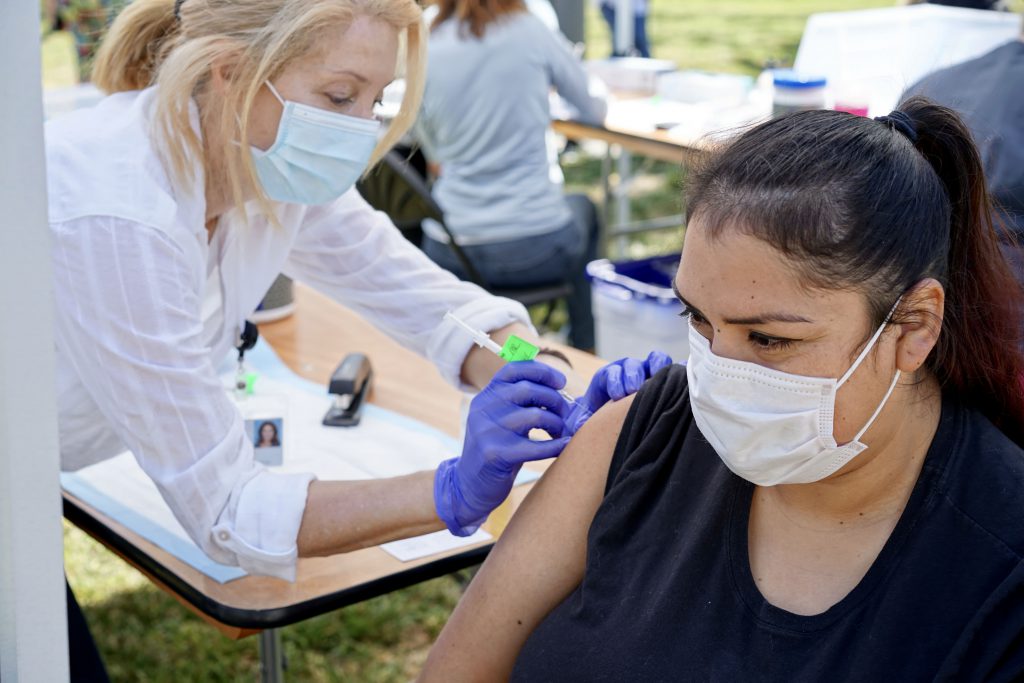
273 91
270 86
856 363
869 346
867 425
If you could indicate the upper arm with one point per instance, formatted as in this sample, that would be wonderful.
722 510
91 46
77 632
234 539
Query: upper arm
537 562
358 257
570 79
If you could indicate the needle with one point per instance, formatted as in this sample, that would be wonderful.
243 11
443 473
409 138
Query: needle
484 341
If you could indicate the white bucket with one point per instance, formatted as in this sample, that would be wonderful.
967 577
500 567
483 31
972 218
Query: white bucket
635 309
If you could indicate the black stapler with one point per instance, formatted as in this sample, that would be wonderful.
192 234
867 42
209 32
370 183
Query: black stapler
350 386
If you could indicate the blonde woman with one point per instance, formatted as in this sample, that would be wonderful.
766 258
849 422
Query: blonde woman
223 156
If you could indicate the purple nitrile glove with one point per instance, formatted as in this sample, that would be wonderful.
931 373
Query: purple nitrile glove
522 396
613 382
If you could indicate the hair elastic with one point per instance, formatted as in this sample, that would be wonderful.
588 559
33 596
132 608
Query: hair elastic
900 121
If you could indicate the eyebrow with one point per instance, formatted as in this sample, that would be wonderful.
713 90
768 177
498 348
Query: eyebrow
346 72
759 319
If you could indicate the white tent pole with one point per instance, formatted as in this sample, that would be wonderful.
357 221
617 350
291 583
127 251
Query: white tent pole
33 620
624 39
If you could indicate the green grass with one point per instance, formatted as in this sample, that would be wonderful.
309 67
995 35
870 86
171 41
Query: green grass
728 35
59 61
146 636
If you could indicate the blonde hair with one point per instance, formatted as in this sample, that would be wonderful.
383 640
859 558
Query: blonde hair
148 45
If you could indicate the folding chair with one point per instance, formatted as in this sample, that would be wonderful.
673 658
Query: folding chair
399 190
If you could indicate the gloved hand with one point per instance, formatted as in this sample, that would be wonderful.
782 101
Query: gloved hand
613 382
522 396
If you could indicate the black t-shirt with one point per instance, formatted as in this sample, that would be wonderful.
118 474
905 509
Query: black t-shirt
667 594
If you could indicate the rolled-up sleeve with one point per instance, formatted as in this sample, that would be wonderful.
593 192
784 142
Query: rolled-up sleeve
128 322
359 258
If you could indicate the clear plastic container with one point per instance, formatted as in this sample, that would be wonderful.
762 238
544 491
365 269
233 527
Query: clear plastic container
630 74
724 90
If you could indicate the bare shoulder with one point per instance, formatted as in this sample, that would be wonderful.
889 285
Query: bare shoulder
539 560
609 419
592 447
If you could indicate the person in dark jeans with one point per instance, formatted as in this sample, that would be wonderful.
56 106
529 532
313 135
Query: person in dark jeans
641 46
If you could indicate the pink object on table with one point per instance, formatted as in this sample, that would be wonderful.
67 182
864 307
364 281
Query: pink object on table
857 109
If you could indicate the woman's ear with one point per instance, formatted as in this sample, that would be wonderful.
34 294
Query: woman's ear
919 318
222 71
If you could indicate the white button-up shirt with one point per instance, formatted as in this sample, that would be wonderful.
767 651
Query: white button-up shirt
138 339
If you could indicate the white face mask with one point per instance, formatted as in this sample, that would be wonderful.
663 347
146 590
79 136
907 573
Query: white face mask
767 426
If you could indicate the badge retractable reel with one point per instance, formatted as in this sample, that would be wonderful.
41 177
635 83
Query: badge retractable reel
245 380
265 414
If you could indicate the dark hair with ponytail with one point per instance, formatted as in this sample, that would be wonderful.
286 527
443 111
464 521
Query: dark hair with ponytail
877 206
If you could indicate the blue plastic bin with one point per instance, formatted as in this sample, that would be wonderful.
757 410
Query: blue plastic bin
635 309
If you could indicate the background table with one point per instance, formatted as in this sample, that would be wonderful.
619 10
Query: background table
650 142
623 138
312 342
629 128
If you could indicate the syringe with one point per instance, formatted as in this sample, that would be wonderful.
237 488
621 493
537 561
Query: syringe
515 348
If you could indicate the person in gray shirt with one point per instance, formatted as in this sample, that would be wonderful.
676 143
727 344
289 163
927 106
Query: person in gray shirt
988 92
484 122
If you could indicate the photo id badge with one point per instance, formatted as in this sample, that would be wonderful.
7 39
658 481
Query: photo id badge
266 426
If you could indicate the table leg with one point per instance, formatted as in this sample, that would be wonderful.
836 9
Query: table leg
616 198
622 209
606 201
271 656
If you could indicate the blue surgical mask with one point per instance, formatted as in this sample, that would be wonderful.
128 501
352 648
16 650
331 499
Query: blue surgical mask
317 156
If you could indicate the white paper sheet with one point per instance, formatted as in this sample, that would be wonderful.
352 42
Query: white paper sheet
430 544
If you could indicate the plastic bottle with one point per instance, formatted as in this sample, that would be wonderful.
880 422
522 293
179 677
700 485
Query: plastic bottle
796 92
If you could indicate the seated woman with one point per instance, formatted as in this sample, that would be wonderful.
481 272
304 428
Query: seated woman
833 487
484 121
